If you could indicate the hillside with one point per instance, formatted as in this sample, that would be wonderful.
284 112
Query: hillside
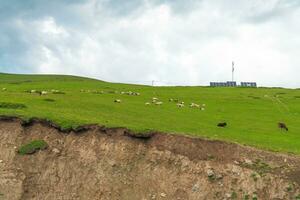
252 114
112 164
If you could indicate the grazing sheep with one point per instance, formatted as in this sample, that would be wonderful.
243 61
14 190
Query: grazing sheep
180 105
171 100
32 91
118 101
154 99
147 103
204 105
194 105
43 92
282 125
3 89
202 109
158 103
222 124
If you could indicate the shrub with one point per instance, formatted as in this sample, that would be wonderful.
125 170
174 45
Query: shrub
32 147
8 105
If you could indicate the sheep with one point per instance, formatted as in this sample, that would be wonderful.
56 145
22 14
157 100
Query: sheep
180 105
282 125
3 89
147 103
171 100
192 105
204 105
43 92
118 101
202 109
154 100
158 103
32 91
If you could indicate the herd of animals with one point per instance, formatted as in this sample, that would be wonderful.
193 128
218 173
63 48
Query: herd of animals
155 101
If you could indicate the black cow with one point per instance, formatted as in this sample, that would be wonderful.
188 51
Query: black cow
282 125
222 124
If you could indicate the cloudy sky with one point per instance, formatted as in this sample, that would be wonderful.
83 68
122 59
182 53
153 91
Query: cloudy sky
174 42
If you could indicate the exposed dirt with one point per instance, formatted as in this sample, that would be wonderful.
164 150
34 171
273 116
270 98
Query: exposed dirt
94 162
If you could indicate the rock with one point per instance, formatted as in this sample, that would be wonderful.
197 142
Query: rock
163 195
236 162
210 173
1 161
248 161
219 176
153 196
195 188
228 195
55 150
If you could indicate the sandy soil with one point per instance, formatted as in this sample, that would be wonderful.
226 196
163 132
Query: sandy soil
95 162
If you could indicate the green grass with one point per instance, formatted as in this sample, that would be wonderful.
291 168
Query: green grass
32 147
252 114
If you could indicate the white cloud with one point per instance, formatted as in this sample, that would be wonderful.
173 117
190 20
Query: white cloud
156 42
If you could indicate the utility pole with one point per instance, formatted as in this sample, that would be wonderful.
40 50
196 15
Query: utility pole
232 71
152 83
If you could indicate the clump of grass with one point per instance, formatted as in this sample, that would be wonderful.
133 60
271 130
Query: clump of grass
234 195
49 100
253 175
8 105
289 188
297 197
246 197
32 147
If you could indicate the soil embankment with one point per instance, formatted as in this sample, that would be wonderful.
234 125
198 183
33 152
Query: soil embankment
99 163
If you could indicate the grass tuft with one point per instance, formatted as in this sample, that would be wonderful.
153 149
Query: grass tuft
32 147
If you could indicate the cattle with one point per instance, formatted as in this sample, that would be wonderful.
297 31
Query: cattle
222 124
283 126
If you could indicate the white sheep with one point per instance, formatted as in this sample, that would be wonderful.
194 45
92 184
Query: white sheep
158 103
180 105
44 92
147 103
4 89
118 101
32 91
194 105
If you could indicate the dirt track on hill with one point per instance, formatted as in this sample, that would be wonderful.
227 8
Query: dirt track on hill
99 163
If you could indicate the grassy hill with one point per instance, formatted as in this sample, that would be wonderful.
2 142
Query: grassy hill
252 114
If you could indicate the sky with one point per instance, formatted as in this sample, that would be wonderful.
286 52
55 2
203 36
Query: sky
172 42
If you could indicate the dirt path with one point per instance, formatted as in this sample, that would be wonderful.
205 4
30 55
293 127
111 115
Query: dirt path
98 163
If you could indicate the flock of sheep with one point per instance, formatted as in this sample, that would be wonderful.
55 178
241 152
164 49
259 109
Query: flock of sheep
44 92
157 102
